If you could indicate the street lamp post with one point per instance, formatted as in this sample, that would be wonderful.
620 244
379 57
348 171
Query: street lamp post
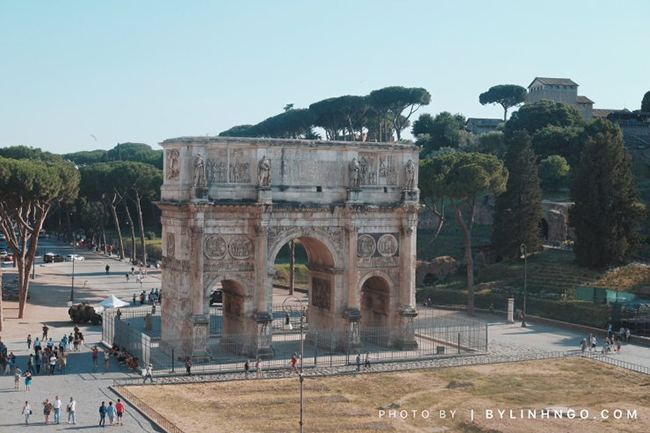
303 311
74 251
522 248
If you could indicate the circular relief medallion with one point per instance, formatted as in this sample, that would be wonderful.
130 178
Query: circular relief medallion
215 247
387 245
366 246
240 247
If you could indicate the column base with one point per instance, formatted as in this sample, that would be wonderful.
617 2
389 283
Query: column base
352 343
264 195
405 340
410 196
353 196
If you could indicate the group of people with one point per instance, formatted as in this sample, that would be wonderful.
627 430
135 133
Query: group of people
115 413
139 275
53 408
153 297
123 357
611 344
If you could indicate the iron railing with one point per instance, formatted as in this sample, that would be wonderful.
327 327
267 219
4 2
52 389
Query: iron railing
146 410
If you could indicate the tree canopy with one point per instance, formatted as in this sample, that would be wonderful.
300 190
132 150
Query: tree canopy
396 104
136 152
607 212
532 117
506 95
461 177
28 188
445 130
553 173
518 210
645 103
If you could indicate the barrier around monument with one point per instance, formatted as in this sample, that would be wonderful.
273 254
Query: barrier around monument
146 410
435 335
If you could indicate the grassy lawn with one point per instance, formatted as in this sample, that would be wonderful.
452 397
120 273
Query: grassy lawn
352 403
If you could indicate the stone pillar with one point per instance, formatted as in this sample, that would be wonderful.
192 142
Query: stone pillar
405 334
262 316
353 312
511 310
200 309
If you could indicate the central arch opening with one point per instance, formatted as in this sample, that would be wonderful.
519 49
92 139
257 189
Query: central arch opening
314 282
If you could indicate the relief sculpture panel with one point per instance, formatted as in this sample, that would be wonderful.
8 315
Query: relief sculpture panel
215 247
173 164
240 247
366 246
240 167
217 166
387 245
368 162
321 293
171 245
387 170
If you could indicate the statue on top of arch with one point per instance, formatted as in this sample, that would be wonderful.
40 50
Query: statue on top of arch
264 173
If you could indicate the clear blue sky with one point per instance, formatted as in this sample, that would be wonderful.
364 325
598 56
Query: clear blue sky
145 71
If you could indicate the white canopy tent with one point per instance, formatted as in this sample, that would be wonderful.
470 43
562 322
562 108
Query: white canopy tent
113 302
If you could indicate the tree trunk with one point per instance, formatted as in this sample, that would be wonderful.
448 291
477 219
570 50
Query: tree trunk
116 221
132 227
469 260
144 247
292 267
441 220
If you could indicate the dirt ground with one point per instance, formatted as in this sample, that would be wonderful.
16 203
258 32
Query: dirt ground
354 404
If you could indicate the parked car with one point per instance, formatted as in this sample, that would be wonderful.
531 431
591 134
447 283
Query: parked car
74 258
3 253
216 298
52 258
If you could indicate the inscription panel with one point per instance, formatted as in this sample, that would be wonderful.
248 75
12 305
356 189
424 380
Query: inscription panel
378 262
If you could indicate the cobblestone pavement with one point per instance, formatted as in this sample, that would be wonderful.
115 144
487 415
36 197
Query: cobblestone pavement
90 388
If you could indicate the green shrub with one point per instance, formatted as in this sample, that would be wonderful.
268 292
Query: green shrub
150 236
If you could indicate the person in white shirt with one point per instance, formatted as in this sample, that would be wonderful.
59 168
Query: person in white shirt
57 410
72 411
27 411
148 374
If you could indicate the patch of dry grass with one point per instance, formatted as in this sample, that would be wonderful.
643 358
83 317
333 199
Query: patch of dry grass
351 404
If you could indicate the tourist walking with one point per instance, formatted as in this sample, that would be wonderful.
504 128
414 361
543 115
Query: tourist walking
119 408
110 411
367 362
47 409
102 415
148 373
28 381
258 368
72 411
27 411
108 268
188 365
294 362
127 277
247 368
52 363
358 360
95 351
17 374
45 330
57 410
29 341
107 360
30 364
37 346
38 361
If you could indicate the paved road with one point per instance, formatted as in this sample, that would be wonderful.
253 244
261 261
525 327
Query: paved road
49 294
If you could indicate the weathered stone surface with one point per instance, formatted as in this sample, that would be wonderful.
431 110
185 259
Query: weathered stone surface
263 193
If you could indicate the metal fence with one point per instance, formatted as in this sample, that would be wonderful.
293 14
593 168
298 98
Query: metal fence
617 362
138 331
147 410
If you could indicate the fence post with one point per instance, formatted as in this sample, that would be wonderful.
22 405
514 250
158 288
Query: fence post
172 359
459 343
315 349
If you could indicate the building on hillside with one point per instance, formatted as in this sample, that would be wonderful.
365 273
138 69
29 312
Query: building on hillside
559 90
635 126
478 126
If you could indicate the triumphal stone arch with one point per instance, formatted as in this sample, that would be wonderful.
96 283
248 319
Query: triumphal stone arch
229 205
